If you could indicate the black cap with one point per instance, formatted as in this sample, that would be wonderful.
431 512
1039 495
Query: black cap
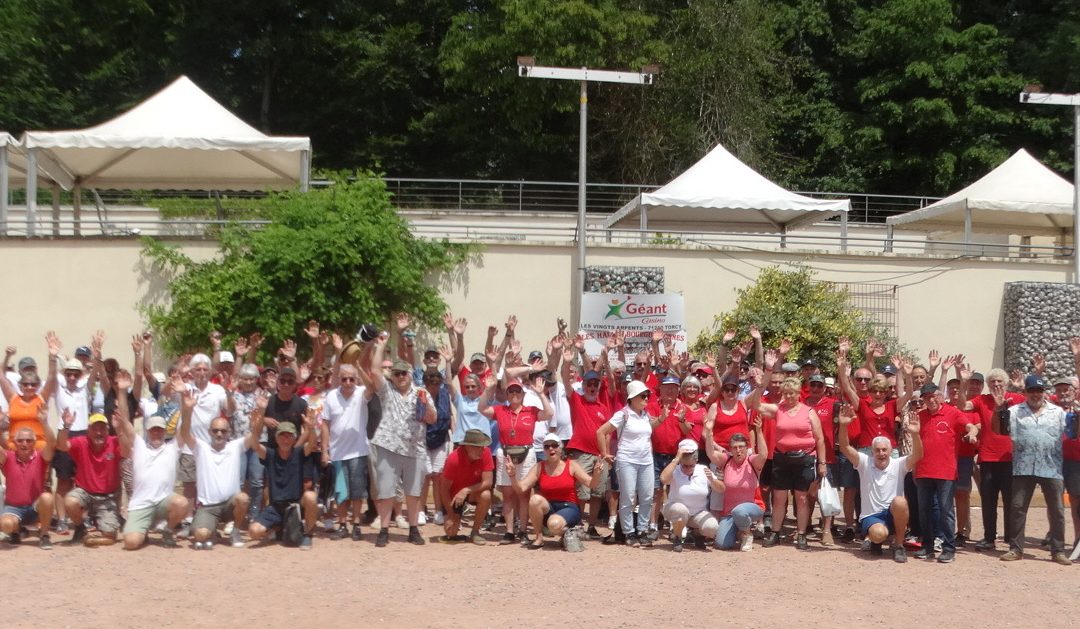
928 388
809 362
816 378
888 370
535 355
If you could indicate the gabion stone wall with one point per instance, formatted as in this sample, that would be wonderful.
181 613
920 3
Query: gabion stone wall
1040 317
629 280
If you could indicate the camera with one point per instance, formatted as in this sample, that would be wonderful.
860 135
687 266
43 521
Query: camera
368 333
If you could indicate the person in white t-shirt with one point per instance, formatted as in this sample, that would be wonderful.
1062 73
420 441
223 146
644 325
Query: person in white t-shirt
881 484
72 394
218 462
152 497
687 505
634 462
211 402
345 444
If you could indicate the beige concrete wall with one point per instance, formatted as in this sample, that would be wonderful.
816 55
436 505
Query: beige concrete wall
77 286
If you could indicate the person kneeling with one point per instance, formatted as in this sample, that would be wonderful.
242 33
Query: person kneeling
688 497
467 478
555 503
284 466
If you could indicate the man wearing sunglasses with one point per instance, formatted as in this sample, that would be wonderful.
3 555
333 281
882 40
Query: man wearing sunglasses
345 444
211 403
26 500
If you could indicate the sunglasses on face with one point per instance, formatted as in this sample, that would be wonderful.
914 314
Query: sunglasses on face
817 385
729 389
286 381
471 387
28 384
641 364
551 446
347 379
644 396
857 379
398 374
592 385
24 440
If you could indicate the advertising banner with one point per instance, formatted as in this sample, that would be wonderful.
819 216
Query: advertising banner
636 316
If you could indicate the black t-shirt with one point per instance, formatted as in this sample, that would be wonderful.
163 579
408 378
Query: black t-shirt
285 411
285 477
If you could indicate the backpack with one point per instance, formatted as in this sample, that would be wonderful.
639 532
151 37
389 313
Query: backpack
292 529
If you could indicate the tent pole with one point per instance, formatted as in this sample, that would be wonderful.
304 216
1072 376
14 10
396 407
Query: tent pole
1076 194
55 190
305 170
76 211
31 191
783 236
967 228
843 231
644 223
889 238
3 190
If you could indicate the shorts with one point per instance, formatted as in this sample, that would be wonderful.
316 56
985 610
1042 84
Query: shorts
25 515
391 467
501 478
766 476
140 520
436 459
569 511
659 463
588 462
351 479
1071 473
101 508
62 461
272 515
964 467
209 516
881 517
185 468
798 475
843 474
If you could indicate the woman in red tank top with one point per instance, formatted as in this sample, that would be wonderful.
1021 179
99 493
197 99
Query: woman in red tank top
555 502
728 415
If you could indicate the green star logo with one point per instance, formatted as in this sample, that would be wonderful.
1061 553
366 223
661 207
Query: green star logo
615 309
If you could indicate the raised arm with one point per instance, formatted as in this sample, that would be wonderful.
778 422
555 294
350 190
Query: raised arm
916 442
5 384
54 345
262 398
525 484
121 419
50 436
455 329
903 380
847 415
310 444
843 375
375 364
483 405
761 446
759 349
136 369
67 418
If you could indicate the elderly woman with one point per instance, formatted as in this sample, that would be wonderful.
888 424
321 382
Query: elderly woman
516 423
634 461
554 504
24 402
688 499
798 458
742 506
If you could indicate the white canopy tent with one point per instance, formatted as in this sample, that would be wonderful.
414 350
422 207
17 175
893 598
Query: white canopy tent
1021 196
178 139
13 174
720 193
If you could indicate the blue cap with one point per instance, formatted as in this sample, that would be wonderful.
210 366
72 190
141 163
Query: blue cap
1034 381
888 370
590 375
670 380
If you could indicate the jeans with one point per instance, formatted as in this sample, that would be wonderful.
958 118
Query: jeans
635 479
942 520
1022 489
251 469
740 519
995 477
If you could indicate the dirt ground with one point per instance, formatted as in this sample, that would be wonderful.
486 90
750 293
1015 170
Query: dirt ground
341 582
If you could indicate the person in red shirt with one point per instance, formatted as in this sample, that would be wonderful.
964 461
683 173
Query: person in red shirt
941 429
516 424
588 411
26 500
97 475
995 454
554 504
467 477
825 407
965 457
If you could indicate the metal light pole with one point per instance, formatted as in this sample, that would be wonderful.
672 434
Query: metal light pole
527 69
1032 95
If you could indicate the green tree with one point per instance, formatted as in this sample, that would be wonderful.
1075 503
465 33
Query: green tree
792 305
340 255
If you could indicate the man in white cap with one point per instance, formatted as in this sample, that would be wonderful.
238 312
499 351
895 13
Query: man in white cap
72 395
154 477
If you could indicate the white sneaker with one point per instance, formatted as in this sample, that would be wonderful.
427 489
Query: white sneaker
376 523
439 518
401 522
421 519
611 521
747 544
330 524
229 528
938 542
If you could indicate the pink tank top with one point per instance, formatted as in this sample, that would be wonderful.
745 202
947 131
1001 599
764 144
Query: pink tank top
793 432
740 484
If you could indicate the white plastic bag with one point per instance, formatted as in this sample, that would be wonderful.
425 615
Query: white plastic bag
829 499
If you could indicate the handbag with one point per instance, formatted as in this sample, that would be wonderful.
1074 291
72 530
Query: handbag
517 454
791 459
829 499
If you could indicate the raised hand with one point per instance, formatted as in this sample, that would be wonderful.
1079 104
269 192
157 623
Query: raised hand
755 332
844 346
537 385
1074 345
460 325
511 324
611 343
906 365
913 424
188 399
556 345
67 417
309 417
756 376
561 324
241 346
288 348
948 362
657 335
846 414
215 340
136 344
262 399
337 342
324 338
256 339
1038 362
620 338
122 380
785 347
1016 379
445 352
53 343
729 335
771 356
492 354
965 371
579 342
492 331
934 359
448 321
490 380
312 329
403 321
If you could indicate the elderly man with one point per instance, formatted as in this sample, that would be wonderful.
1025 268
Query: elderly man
345 444
468 477
943 427
218 462
285 475
1036 427
27 500
154 478
398 447
211 403
881 481
97 474
588 411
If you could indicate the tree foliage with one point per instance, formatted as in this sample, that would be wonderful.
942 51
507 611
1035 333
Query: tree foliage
813 315
340 255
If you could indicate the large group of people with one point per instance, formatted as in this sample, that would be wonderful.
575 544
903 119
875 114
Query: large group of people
659 448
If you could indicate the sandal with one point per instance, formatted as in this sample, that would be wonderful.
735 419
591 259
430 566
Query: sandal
479 541
452 539
536 544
